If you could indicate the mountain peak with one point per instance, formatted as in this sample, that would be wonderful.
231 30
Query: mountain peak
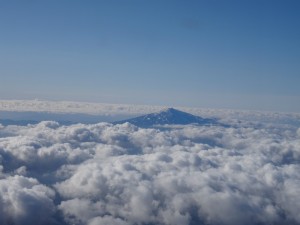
170 110
169 116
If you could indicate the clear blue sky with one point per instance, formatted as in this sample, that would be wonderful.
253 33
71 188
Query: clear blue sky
222 54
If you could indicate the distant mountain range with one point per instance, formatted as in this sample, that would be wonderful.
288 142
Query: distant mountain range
169 116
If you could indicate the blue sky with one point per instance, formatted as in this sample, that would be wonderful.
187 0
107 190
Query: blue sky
220 54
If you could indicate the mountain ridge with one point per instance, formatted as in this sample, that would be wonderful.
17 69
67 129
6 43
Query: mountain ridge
168 116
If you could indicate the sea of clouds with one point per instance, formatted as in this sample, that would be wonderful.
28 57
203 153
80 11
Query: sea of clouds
245 173
37 110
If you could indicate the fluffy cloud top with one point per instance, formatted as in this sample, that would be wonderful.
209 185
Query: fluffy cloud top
247 173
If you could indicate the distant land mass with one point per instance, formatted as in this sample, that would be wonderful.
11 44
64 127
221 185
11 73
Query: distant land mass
169 116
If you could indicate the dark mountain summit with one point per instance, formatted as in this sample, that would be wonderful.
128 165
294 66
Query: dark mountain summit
168 116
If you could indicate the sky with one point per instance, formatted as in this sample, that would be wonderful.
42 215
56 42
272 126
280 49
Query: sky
219 54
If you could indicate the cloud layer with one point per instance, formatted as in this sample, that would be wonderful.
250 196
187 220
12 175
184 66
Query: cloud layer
121 174
38 110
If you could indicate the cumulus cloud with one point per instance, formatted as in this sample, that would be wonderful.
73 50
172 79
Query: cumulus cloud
247 173
25 201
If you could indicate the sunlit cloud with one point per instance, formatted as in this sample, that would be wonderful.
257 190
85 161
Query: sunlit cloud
122 174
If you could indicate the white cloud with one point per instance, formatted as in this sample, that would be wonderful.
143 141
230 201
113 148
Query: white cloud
24 201
111 112
107 220
122 174
75 107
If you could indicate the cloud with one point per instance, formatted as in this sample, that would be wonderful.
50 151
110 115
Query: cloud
75 107
25 201
37 110
247 173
